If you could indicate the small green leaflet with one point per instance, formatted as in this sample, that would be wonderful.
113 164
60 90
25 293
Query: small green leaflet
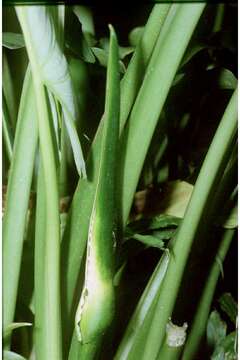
102 56
161 221
153 231
229 306
226 350
12 41
216 329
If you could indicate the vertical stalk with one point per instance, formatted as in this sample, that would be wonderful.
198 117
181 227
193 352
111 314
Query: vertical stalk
52 336
18 192
75 236
210 174
97 303
219 17
151 98
200 320
39 254
7 130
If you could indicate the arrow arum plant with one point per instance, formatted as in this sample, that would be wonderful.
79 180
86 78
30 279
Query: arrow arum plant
119 183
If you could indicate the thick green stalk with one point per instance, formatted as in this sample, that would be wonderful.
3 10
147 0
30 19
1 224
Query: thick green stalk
18 192
75 236
152 95
131 82
170 352
52 338
198 327
137 325
133 342
86 351
210 175
52 237
97 303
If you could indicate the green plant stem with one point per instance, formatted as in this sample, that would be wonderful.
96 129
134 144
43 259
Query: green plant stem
97 303
52 235
210 175
198 327
219 17
86 351
170 353
131 82
52 345
18 192
7 130
39 255
75 236
133 339
9 91
150 100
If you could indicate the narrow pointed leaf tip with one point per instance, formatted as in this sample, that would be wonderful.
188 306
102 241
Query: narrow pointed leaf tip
111 29
97 302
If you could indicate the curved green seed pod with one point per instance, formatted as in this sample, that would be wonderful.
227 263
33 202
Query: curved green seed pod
96 306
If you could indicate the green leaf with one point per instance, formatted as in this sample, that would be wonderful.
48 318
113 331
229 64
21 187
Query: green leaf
211 173
149 240
135 35
8 330
229 218
226 350
199 323
216 329
102 56
75 235
47 64
164 221
227 80
150 99
138 326
12 40
161 221
191 52
78 45
98 290
85 17
10 355
18 193
51 66
232 219
165 234
9 89
123 50
229 306
7 129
